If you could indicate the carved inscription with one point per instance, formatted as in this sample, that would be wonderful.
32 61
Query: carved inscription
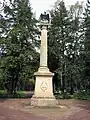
43 86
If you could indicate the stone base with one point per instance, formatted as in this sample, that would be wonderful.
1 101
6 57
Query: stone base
44 101
43 94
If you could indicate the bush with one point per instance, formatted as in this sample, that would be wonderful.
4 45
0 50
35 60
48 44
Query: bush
82 95
63 95
3 94
29 85
19 94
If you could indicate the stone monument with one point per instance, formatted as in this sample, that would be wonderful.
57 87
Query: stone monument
43 94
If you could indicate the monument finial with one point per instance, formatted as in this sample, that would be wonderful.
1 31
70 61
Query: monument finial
44 18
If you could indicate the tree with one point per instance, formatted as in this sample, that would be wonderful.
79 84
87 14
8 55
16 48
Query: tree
75 67
19 38
65 44
58 38
86 26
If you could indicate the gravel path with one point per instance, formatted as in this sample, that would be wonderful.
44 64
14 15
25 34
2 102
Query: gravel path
16 110
11 114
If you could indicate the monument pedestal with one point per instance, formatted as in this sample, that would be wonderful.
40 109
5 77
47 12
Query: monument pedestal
43 95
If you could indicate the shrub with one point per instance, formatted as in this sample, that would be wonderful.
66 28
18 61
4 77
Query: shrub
19 94
83 95
63 95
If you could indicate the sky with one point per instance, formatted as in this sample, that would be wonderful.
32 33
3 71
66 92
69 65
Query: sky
39 6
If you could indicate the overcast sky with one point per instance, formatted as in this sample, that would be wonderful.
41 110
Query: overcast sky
42 5
39 6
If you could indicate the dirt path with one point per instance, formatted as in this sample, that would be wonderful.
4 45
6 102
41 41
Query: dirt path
20 109
11 114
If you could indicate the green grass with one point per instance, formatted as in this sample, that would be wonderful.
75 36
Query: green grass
63 96
19 94
82 95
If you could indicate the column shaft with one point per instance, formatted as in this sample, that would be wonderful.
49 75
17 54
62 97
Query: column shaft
43 49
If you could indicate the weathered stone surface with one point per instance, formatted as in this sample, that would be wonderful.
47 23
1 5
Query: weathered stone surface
43 101
43 48
43 95
43 85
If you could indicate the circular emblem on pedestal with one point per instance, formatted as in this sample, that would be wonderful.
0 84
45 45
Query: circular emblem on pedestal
43 86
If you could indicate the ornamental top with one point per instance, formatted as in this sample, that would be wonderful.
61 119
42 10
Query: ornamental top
44 18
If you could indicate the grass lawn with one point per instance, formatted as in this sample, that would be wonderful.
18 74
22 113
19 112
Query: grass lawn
19 94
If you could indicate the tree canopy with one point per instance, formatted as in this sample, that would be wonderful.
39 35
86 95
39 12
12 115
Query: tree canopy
68 45
19 33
